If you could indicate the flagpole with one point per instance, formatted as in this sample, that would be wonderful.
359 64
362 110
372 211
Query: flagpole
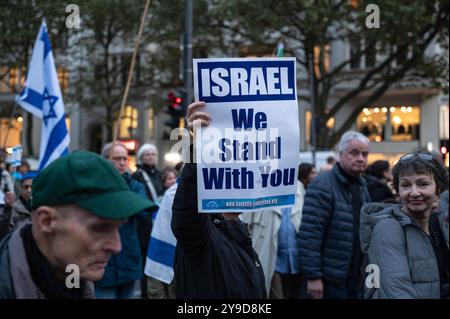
130 72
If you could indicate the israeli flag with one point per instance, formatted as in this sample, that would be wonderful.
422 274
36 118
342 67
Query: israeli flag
42 97
161 249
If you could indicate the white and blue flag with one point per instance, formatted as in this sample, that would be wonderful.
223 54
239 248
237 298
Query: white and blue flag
42 97
161 249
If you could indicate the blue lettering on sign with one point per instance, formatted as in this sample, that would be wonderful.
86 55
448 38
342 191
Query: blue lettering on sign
246 81
227 178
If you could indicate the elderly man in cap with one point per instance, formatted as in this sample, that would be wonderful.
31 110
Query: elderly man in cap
79 202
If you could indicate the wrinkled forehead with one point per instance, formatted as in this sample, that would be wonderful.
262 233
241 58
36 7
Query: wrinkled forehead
358 145
119 149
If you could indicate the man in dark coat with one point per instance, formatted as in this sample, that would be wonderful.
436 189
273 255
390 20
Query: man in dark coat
330 254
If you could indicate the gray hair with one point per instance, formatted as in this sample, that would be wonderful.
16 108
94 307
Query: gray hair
107 148
348 137
145 148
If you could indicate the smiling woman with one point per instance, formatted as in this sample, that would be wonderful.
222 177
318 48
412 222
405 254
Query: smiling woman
409 242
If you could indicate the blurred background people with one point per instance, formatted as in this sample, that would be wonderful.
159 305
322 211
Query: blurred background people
161 251
378 178
306 173
18 211
125 268
150 176
328 166
169 177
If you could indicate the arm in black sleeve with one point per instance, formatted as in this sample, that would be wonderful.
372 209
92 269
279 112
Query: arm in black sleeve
191 228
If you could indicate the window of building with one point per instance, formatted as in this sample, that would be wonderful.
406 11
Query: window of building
390 123
125 64
405 122
444 123
68 123
321 55
371 122
402 55
358 60
370 57
308 117
129 123
13 79
355 61
10 131
151 122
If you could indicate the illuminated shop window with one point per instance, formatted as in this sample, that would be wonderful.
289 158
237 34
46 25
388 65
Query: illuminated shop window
12 79
129 123
405 121
151 122
308 119
371 122
390 123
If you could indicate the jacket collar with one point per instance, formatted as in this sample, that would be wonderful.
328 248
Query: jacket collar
234 229
403 218
342 179
20 207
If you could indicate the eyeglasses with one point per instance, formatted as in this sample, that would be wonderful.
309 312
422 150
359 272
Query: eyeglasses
422 156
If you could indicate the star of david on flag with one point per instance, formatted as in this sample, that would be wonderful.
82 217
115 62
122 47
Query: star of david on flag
42 97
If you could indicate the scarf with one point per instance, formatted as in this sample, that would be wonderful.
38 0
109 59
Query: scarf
42 273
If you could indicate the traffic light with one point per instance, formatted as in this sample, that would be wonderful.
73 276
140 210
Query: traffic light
444 148
175 109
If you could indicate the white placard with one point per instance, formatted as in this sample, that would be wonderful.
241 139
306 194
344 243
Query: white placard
247 158
16 158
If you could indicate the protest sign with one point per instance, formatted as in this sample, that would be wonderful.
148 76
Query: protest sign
16 158
248 156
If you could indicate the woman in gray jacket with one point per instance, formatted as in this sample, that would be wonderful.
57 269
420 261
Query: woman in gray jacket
407 244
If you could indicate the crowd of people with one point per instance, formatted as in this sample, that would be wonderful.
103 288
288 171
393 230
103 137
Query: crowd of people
92 211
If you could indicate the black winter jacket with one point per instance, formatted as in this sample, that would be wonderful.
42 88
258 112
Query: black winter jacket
214 257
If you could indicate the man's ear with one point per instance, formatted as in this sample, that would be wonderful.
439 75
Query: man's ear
44 218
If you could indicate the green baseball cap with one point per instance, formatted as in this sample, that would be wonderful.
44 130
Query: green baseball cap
90 182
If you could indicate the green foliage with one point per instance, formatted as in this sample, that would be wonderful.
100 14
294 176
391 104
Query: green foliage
234 28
